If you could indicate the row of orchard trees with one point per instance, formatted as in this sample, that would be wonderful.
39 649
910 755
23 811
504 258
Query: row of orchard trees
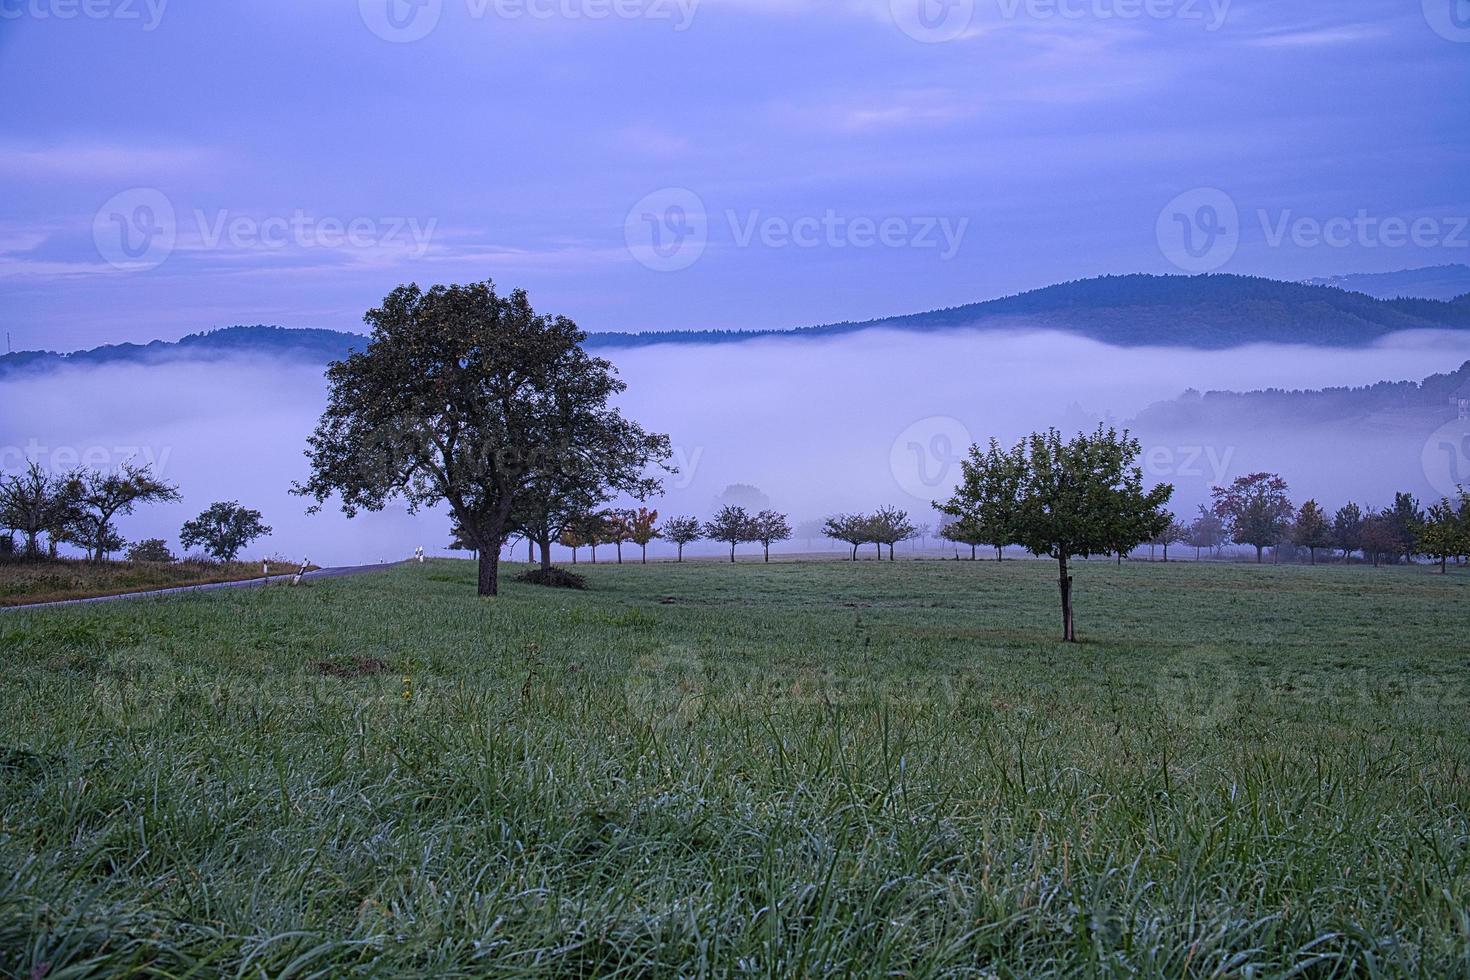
79 508
1256 510
732 525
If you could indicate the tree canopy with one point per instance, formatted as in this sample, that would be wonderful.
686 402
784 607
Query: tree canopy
473 399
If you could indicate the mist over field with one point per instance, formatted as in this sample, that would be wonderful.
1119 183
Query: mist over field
820 426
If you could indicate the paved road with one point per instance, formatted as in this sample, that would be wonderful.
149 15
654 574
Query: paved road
320 573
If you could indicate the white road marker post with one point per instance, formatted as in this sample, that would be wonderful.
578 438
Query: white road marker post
296 580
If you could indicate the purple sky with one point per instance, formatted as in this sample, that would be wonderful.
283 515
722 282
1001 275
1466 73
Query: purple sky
170 167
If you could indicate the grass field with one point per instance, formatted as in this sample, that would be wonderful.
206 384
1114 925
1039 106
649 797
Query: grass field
53 580
794 769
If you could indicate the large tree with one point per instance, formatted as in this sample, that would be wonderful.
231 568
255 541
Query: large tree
1074 499
223 530
732 525
472 399
97 497
1256 510
1311 530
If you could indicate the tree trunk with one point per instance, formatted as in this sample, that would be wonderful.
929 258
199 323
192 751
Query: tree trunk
593 549
645 553
1260 549
620 552
530 551
732 552
879 546
854 552
973 556
766 545
574 556
1313 552
1069 633
546 554
489 572
681 551
890 552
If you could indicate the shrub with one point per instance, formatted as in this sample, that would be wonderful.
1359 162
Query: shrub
556 578
150 549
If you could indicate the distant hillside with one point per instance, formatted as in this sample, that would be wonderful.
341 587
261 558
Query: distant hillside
1437 282
1212 311
1434 398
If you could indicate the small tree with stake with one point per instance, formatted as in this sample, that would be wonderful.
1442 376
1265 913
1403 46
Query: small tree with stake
1075 499
682 531
732 525
768 527
223 530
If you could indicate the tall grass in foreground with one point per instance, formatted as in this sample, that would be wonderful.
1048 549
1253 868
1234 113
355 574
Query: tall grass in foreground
801 769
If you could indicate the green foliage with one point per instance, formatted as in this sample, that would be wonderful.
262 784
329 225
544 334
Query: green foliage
682 531
1347 528
470 398
151 549
1256 510
732 525
96 497
1445 531
768 527
223 529
1311 530
854 529
1070 499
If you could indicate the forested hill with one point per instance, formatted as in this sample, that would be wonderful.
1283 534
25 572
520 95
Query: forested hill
1435 397
1211 311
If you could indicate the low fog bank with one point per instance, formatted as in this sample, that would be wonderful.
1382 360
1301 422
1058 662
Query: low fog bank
818 425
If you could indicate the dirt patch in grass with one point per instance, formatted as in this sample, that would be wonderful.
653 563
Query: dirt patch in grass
348 667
